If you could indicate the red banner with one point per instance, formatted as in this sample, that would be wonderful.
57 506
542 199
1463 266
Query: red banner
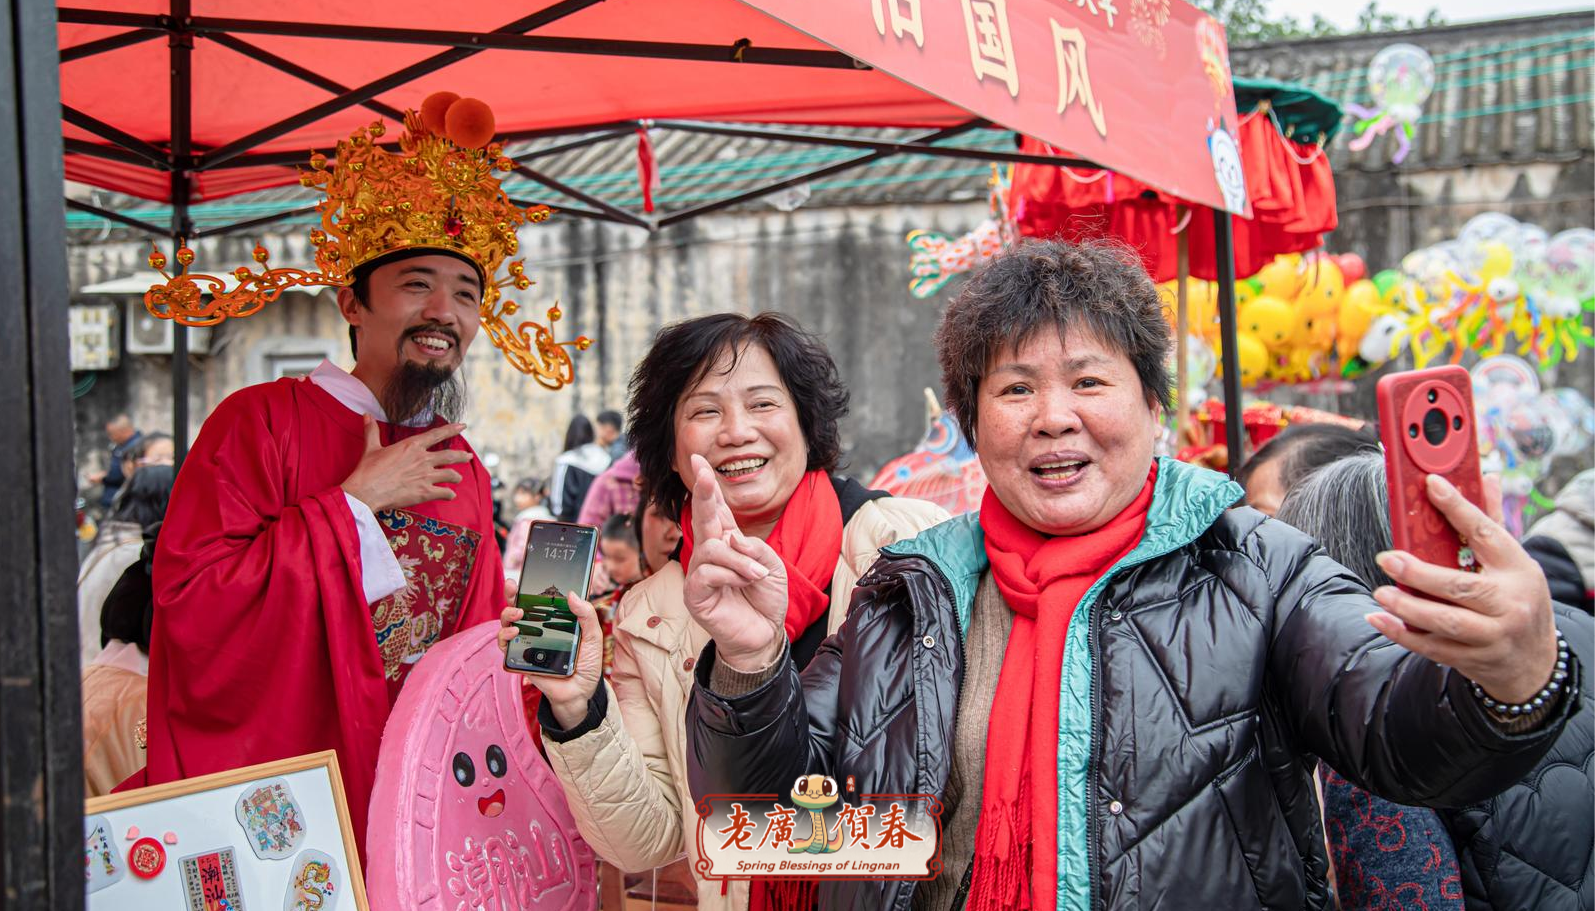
1142 88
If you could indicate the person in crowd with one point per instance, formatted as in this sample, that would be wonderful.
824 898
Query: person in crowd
292 593
1292 455
622 555
612 493
114 683
530 499
152 449
658 534
581 461
745 414
1516 850
123 436
611 433
140 505
1378 847
1563 541
1111 679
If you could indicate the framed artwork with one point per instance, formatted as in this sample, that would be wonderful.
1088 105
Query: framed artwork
270 836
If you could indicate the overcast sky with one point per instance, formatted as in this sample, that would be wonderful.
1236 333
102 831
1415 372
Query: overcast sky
1344 12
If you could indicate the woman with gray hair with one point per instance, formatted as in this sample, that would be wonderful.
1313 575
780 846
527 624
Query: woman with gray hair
1530 847
1113 681
1379 849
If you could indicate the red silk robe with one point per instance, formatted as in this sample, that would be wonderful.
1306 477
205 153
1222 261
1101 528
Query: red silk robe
263 645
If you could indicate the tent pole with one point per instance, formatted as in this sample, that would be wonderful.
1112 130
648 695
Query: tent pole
915 147
828 170
1224 266
117 217
182 48
1181 328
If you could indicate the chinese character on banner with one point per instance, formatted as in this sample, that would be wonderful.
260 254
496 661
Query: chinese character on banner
990 46
894 830
1074 78
857 821
739 829
909 22
1099 8
782 820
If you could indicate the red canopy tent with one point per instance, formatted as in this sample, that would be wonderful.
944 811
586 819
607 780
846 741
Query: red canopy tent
192 100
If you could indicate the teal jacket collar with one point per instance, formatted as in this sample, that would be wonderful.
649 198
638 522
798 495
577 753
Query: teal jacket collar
1186 501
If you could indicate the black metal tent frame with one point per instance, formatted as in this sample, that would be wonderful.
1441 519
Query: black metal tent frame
183 159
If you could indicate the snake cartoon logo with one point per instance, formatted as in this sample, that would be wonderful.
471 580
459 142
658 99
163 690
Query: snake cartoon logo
815 793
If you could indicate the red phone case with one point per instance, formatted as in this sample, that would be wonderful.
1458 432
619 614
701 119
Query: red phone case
1408 403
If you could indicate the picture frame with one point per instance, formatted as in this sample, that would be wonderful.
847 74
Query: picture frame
254 828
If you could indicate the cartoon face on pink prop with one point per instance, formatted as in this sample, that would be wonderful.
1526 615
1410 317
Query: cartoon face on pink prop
465 813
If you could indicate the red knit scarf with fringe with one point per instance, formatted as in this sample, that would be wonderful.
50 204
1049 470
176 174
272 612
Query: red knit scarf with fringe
1042 579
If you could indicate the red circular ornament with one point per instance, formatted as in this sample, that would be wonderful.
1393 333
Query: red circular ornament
147 858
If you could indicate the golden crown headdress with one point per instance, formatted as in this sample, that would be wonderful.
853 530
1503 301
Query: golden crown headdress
437 193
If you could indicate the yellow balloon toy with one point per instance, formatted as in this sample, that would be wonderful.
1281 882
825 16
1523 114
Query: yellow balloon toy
1252 356
1357 311
1323 288
1201 306
1270 320
1281 279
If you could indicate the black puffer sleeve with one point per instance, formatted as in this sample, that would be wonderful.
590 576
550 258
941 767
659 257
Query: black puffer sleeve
758 743
1393 722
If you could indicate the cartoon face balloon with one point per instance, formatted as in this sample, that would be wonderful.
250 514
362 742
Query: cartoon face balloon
1400 78
465 814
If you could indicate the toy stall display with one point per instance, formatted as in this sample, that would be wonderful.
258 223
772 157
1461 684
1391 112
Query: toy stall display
1400 80
465 812
1522 426
269 836
1499 287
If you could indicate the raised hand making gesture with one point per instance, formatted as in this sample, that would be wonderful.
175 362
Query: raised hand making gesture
406 473
736 586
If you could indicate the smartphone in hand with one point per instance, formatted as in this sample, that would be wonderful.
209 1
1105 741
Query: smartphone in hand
1426 423
559 559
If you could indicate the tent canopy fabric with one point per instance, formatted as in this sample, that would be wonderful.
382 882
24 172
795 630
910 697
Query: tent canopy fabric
270 83
235 95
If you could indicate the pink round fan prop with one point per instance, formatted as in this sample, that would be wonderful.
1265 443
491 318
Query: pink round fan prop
465 813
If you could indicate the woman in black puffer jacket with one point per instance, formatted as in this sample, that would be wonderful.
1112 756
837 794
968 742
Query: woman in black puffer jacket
1115 683
1532 846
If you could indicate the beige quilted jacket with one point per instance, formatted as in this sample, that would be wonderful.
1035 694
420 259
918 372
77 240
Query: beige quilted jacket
627 779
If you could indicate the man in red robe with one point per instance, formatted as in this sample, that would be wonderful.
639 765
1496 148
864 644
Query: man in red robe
325 531
317 542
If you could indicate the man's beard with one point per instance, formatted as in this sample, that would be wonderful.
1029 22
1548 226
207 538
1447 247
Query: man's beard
414 388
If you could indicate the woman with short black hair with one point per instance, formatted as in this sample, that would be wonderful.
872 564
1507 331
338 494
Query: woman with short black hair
736 424
1111 680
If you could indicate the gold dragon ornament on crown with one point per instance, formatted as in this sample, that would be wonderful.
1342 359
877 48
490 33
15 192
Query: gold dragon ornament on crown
437 193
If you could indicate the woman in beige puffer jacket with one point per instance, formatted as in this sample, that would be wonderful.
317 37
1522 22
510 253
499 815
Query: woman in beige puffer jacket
758 399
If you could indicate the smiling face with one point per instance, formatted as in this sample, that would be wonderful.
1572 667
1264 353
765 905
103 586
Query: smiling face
422 311
1064 431
743 420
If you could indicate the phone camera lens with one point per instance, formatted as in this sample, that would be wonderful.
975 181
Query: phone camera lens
1434 426
1433 396
1456 422
1412 431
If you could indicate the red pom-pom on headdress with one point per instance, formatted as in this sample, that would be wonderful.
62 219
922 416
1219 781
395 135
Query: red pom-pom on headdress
433 110
469 123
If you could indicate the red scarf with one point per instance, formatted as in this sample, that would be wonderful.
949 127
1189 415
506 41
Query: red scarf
1042 579
808 539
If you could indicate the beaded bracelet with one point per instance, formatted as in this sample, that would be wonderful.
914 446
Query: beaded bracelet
1547 694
